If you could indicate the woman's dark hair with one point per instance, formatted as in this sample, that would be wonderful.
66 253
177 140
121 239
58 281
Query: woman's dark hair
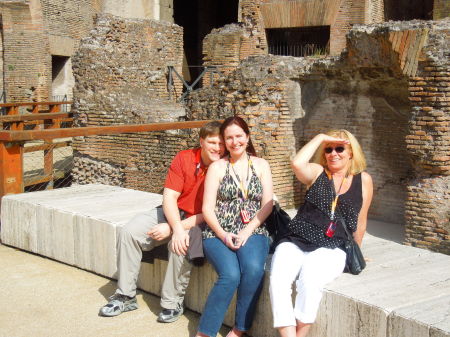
244 126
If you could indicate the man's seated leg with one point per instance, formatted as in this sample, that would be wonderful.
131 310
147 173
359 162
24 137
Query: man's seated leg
132 240
174 287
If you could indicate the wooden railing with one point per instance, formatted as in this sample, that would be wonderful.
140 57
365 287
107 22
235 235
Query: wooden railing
47 114
12 147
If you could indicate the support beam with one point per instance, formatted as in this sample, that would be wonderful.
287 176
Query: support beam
11 168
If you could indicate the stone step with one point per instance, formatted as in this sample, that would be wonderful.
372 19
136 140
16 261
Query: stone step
404 291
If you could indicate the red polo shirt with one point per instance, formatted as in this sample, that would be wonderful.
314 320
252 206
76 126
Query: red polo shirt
187 175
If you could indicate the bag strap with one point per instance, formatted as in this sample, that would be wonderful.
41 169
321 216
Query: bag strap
341 218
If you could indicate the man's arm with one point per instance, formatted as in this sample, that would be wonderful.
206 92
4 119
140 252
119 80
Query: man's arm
163 230
180 239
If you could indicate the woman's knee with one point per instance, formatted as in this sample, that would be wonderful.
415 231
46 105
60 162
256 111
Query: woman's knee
279 284
253 271
230 277
308 283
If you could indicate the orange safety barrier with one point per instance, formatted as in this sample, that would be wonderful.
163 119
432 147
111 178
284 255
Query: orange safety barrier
12 147
12 120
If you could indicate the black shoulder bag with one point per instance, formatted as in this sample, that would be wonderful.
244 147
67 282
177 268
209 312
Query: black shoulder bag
355 262
277 224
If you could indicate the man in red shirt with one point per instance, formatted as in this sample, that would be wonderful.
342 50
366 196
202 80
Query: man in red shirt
181 210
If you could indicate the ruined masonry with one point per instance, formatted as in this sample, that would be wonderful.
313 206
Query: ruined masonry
121 78
390 88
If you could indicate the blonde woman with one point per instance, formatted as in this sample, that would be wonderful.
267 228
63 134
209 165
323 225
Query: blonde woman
312 252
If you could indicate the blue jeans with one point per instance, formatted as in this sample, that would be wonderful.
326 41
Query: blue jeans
242 270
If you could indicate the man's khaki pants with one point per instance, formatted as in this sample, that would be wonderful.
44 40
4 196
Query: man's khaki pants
133 239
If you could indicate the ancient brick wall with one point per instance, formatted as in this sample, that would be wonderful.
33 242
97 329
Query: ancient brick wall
287 101
256 43
32 32
260 98
390 89
72 19
374 11
121 78
26 57
428 203
339 15
227 46
441 9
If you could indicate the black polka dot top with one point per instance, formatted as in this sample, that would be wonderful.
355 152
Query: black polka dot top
308 227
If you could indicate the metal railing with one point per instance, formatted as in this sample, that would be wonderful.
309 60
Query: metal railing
212 70
309 49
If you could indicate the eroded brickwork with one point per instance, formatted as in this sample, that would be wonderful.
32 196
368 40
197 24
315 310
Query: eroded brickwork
441 9
32 32
26 53
227 46
428 202
390 89
121 78
71 19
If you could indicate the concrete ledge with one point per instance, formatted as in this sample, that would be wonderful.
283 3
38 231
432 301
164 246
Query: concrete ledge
404 291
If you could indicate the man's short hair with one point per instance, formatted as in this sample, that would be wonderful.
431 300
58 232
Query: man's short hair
210 129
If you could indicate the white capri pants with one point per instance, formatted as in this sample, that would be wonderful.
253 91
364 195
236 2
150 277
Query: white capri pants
314 270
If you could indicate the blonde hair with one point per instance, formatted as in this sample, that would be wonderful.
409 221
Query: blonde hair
357 161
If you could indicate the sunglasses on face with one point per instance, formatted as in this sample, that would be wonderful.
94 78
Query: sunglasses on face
338 149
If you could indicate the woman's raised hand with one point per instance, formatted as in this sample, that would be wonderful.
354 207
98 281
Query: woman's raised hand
330 139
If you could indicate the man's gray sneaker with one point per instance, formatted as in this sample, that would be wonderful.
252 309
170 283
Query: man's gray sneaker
170 315
117 304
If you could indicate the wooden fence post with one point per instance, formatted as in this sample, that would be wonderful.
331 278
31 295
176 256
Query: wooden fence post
11 168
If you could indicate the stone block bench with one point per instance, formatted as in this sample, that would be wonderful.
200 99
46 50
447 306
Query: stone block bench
403 292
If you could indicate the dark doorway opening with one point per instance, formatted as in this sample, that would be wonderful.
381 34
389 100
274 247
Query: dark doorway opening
58 64
299 41
400 10
198 18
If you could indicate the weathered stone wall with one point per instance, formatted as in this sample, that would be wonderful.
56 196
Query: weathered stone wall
428 203
32 32
390 89
140 9
225 47
67 22
441 9
26 54
121 78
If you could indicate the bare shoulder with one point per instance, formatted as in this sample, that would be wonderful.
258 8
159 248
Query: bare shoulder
218 164
217 168
261 166
261 162
366 178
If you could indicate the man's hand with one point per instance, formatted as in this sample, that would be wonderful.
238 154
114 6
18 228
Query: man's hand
160 232
180 242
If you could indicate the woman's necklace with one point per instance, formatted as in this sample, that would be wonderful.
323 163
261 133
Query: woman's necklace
332 225
245 215
243 188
